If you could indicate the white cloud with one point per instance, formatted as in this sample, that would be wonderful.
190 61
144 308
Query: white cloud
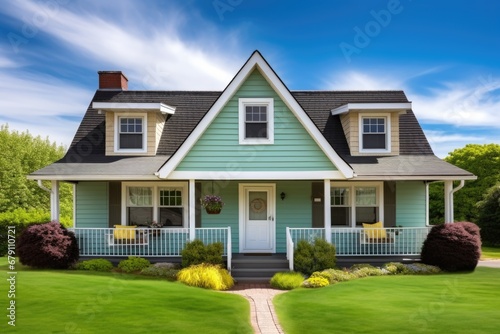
40 104
154 56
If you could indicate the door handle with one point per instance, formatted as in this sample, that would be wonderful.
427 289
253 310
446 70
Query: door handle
271 218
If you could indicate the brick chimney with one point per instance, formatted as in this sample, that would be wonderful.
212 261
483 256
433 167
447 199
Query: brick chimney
112 80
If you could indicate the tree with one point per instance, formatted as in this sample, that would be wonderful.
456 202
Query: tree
22 154
481 160
489 216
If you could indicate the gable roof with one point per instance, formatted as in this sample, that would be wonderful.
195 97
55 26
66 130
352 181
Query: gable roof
256 61
86 159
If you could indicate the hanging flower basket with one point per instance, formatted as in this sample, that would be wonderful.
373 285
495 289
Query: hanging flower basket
213 204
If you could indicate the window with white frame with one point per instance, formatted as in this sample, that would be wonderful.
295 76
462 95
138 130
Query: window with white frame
170 207
374 133
131 133
256 120
354 205
139 205
146 202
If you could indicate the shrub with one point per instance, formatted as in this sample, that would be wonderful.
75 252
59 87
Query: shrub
206 276
368 271
338 275
489 216
309 258
168 272
95 265
288 280
133 264
422 269
452 247
396 268
315 282
47 245
196 252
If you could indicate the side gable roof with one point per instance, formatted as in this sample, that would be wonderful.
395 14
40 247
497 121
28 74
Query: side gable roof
256 61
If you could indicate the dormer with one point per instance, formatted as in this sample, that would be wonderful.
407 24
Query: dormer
131 128
372 128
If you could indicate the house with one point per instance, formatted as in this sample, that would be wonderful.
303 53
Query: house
352 167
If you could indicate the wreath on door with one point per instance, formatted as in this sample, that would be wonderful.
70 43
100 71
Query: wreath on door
258 205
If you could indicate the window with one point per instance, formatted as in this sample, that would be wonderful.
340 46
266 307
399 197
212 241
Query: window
139 205
354 205
170 211
130 133
145 202
256 118
341 209
374 133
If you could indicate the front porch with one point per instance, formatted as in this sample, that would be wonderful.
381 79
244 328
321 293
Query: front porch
169 242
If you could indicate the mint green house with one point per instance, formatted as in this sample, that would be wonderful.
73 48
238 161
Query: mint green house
352 167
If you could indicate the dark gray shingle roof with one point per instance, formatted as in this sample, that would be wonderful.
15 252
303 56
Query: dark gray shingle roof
86 155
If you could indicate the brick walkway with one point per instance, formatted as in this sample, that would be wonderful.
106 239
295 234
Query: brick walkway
262 314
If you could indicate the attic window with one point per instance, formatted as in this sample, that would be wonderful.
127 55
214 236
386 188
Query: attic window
130 133
374 133
256 118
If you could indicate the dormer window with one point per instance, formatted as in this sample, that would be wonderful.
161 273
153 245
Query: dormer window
374 133
256 119
131 133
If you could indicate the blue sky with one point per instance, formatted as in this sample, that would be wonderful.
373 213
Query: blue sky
443 54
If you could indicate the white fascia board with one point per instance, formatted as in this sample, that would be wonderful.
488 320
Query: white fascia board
123 106
414 178
256 60
151 177
261 175
375 107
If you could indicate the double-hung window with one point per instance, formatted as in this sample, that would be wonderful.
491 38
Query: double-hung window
374 133
170 208
145 202
131 133
256 121
353 205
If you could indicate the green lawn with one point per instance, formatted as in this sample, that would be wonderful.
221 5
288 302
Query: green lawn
490 253
447 303
49 301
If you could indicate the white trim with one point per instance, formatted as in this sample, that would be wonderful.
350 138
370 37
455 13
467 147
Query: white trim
327 209
256 61
414 178
123 106
352 200
144 117
261 175
156 185
367 107
192 210
242 103
55 209
388 133
242 190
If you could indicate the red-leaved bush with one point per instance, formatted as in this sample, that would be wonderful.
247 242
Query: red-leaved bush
453 247
47 245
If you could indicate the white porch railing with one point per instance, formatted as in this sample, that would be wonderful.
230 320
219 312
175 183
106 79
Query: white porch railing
146 242
392 241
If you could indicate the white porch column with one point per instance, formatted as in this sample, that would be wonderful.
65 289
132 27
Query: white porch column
192 211
327 213
448 201
54 201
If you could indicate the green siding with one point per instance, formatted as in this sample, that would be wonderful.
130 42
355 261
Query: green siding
294 211
92 207
218 149
410 204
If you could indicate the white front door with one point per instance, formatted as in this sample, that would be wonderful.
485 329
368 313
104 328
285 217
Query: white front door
257 213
